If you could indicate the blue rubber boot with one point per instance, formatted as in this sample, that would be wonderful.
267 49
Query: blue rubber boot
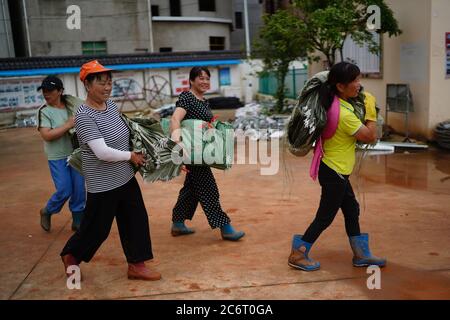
361 252
299 258
180 229
228 233
76 220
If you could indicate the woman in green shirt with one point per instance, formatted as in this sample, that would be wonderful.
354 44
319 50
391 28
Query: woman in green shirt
55 124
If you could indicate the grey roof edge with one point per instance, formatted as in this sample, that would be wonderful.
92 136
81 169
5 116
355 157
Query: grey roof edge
116 59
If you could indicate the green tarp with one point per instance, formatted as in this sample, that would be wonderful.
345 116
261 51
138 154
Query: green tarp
210 144
308 118
147 137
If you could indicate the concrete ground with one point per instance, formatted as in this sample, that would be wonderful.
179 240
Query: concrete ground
404 199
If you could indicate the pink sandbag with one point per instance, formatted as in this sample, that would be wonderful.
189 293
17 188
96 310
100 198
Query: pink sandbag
327 133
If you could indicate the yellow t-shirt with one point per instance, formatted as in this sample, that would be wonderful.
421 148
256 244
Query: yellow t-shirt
339 150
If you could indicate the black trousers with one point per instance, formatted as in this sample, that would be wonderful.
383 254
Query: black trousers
127 206
337 192
200 186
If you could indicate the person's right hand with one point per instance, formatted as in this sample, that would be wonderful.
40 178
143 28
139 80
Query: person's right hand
186 155
137 159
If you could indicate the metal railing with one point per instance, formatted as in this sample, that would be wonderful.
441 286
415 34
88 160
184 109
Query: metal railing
294 82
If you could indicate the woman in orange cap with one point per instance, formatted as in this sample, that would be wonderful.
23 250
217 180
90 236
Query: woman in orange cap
112 189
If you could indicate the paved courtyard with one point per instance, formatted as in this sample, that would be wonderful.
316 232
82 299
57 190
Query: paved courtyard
404 197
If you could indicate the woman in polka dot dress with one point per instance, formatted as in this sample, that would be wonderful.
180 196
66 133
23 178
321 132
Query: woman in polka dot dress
200 185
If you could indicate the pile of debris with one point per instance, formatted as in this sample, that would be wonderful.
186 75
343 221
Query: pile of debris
166 110
26 118
27 122
442 134
256 121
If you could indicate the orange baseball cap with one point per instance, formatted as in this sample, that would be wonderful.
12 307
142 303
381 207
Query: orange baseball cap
91 67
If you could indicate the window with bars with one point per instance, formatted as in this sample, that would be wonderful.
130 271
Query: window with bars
175 8
216 43
271 6
155 11
369 63
238 19
93 47
207 5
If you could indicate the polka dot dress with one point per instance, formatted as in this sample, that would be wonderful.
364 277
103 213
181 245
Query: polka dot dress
199 185
195 108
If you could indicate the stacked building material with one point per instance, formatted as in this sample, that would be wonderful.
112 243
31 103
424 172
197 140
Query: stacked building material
442 134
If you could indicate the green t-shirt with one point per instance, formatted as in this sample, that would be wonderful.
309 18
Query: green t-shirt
52 117
339 150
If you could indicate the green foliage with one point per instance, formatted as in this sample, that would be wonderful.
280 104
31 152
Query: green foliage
329 22
280 43
309 26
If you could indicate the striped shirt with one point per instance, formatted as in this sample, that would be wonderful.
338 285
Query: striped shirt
93 124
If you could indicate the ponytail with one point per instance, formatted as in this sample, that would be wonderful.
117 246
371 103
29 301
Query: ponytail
326 94
63 99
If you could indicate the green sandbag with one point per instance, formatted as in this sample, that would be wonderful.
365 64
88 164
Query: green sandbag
74 160
210 144
359 107
309 118
147 137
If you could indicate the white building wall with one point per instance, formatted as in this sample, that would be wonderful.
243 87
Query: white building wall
188 36
6 41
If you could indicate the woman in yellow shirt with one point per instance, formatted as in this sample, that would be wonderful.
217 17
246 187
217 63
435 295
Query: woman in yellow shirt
336 166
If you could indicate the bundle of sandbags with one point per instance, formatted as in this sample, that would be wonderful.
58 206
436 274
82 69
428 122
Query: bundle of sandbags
205 143
148 138
309 117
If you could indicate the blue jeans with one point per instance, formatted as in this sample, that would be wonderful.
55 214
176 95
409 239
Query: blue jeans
69 184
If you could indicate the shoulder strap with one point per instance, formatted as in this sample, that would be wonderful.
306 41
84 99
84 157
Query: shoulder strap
343 105
39 115
332 119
